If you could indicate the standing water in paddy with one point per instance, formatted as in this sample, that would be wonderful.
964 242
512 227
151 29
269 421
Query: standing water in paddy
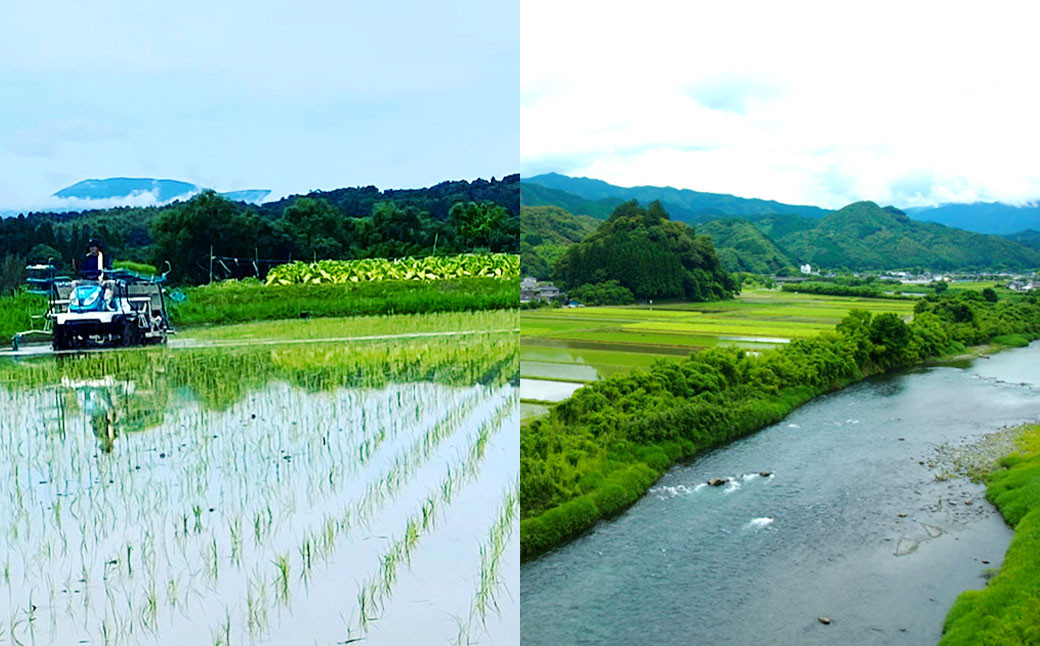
268 496
852 523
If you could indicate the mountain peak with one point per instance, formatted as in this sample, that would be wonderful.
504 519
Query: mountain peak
140 190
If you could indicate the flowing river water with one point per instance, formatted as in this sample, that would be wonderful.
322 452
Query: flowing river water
852 525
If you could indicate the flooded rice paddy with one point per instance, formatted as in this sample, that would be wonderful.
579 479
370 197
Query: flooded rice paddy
275 495
590 343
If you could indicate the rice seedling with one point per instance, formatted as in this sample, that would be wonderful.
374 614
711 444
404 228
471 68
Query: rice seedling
213 561
282 563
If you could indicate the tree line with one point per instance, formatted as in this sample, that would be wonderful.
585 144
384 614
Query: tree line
451 217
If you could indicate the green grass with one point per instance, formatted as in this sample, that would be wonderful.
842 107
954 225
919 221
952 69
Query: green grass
1007 610
1012 340
16 312
359 326
237 302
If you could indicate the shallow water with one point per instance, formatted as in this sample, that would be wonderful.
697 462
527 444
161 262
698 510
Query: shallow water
145 512
758 560
548 391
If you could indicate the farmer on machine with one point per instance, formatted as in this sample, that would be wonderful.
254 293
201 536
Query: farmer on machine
95 263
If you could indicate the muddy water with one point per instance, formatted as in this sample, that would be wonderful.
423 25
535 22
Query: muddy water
849 525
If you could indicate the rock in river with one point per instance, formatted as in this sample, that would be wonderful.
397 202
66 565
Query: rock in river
717 482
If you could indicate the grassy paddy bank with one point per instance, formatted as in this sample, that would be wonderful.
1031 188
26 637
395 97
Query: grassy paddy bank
1007 610
242 301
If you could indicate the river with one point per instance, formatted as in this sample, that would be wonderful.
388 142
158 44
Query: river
852 525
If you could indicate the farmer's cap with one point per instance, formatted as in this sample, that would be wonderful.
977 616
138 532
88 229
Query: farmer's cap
95 242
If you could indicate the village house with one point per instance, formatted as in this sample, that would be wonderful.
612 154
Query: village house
532 290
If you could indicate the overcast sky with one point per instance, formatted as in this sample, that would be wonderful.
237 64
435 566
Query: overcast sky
288 96
905 103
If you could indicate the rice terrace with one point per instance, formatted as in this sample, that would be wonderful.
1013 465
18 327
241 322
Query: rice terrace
317 480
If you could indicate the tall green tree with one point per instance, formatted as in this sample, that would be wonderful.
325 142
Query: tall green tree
317 230
184 234
476 224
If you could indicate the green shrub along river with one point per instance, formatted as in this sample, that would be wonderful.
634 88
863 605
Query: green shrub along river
596 453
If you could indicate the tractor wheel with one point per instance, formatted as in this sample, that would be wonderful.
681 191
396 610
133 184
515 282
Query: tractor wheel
58 340
130 332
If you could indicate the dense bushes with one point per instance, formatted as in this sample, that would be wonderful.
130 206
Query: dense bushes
609 292
585 447
834 289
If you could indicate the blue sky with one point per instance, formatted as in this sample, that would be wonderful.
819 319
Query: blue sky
289 96
807 101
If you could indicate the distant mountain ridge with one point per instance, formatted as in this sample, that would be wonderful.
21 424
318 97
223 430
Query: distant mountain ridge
586 196
683 204
983 217
164 190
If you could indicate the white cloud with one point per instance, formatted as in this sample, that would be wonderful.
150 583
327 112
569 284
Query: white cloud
807 102
54 203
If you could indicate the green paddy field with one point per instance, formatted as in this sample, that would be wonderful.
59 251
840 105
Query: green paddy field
588 343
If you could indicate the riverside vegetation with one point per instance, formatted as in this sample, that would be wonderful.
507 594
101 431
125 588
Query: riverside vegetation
595 454
1006 610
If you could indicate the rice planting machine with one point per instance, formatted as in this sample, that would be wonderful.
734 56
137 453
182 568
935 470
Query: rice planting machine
121 308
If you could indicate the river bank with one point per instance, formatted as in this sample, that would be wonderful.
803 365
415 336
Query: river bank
1007 611
597 453
856 523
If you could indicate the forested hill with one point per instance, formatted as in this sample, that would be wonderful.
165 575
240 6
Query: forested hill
857 237
865 236
684 204
743 247
1029 238
648 254
437 200
450 217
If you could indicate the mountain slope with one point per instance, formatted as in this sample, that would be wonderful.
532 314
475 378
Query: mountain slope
982 217
865 236
538 195
545 234
743 247
1029 238
684 204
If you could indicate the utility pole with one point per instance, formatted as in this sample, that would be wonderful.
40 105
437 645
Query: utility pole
211 263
